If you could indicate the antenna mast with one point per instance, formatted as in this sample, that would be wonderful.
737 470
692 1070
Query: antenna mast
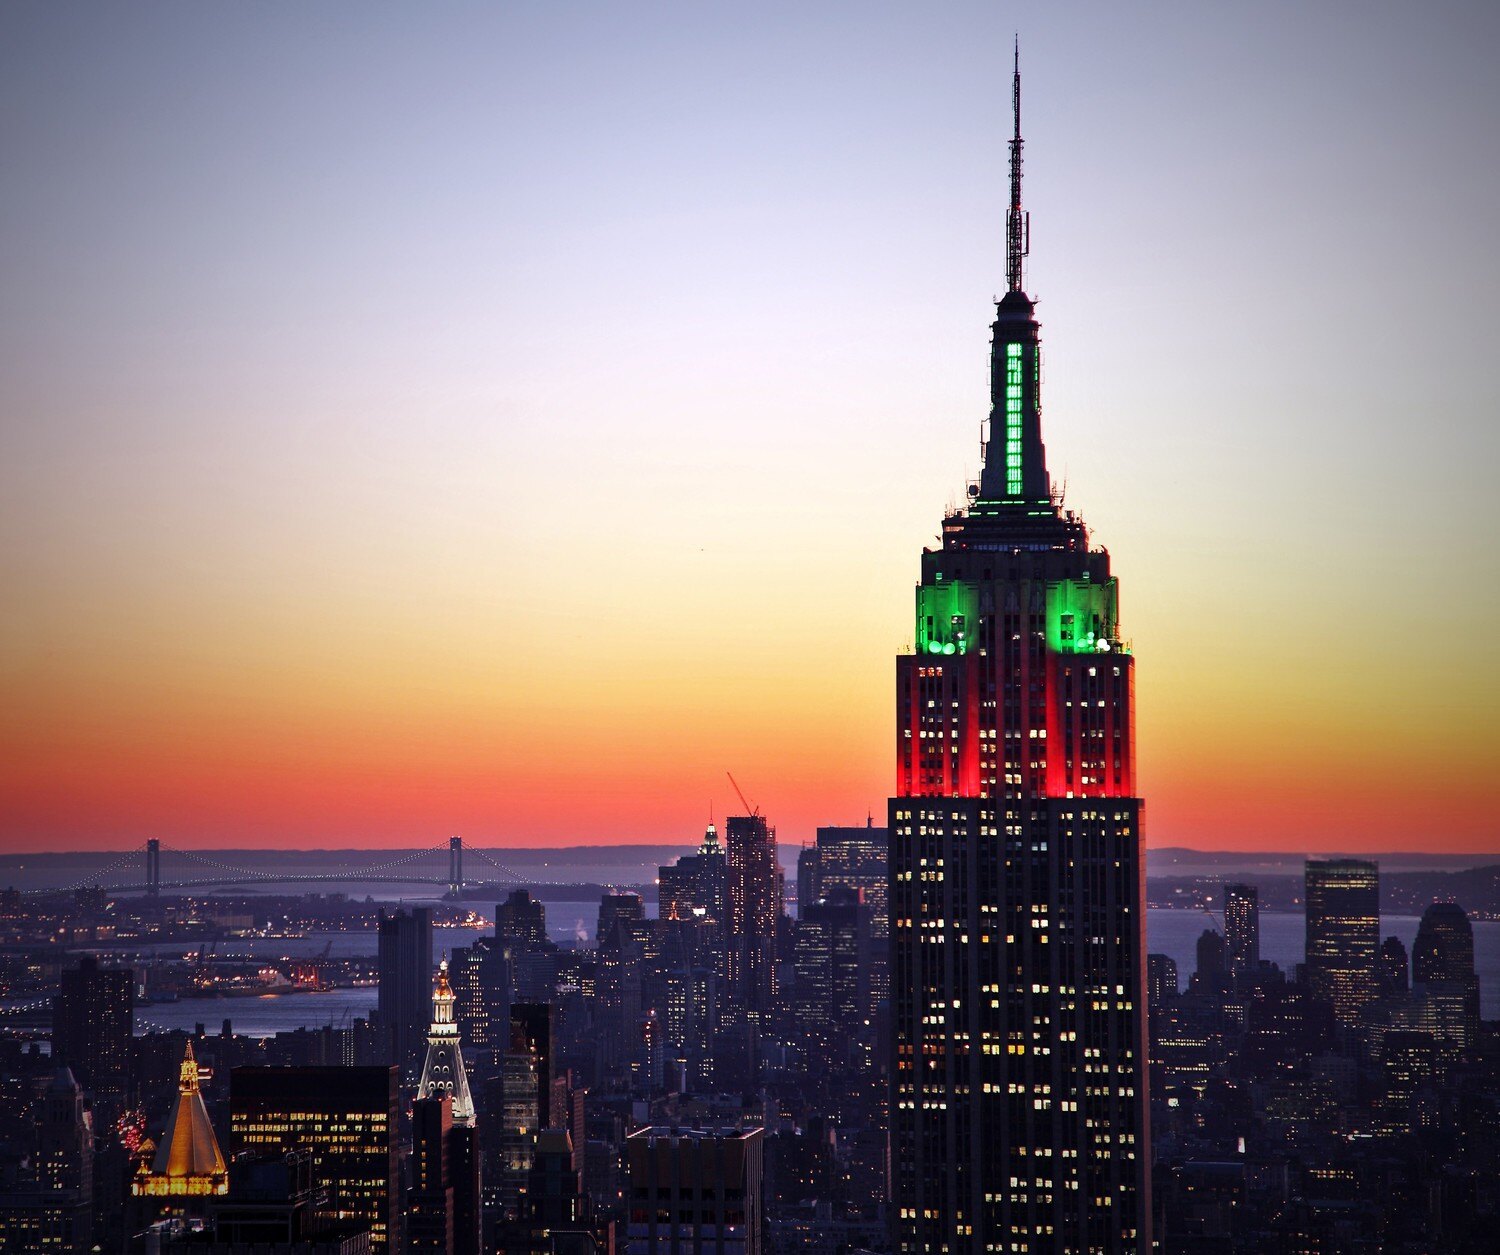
1017 221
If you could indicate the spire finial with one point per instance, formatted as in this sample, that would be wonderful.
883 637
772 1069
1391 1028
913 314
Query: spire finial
1017 221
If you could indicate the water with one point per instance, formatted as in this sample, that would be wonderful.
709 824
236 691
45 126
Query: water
259 1016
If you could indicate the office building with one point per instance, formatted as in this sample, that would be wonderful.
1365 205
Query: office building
1442 970
481 981
754 908
50 1211
1343 933
1393 968
93 1020
832 962
855 857
344 1119
429 1201
1018 1098
405 959
1241 928
809 887
522 921
694 1191
1161 979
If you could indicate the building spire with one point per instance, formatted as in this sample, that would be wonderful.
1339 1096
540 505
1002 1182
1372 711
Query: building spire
444 1072
1017 221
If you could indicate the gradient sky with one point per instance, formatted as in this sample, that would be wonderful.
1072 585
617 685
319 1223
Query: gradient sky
503 420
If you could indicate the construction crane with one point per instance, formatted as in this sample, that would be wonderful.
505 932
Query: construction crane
749 810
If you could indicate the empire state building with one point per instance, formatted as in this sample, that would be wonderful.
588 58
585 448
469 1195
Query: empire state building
1018 1099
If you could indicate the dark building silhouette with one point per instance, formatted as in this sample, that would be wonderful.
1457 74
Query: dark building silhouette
754 902
1393 968
1161 979
832 960
343 1119
93 1020
693 887
1442 968
405 958
521 920
694 1190
855 856
1343 933
50 1210
429 1201
809 879
481 980
1018 1102
1211 959
1241 928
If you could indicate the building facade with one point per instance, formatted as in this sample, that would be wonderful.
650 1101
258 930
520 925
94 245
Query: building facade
1018 1098
1343 933
694 1192
344 1119
405 957
93 1021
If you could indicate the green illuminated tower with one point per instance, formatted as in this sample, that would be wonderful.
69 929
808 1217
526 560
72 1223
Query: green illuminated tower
1018 1094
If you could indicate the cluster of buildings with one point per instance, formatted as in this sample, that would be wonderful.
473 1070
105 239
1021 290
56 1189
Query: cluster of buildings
1352 1104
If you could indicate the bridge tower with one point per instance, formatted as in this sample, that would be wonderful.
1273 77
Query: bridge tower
153 866
455 867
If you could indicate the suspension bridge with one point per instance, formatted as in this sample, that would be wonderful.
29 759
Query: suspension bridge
192 870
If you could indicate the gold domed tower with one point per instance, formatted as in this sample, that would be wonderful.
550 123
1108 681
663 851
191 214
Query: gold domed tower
188 1161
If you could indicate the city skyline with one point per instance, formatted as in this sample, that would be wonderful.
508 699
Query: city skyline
506 424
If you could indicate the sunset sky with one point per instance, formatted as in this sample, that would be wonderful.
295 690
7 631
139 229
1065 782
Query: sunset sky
505 419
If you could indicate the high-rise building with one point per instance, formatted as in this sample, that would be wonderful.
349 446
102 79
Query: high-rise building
51 1212
405 958
856 858
1018 1099
1242 928
344 1119
691 1190
832 961
1393 968
615 908
1343 933
93 1020
754 902
521 920
809 881
453 1169
1210 952
1442 969
1161 979
429 1201
480 976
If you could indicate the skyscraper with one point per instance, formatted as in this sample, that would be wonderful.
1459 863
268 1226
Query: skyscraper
1241 928
93 1019
1018 1103
343 1118
754 908
1343 933
405 955
1442 971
